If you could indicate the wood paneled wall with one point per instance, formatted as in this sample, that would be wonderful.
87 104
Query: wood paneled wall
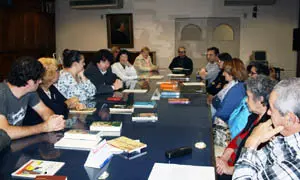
27 28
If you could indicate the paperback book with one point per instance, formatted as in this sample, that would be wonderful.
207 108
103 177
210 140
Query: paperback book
35 167
179 101
144 117
121 109
126 144
109 128
83 111
83 134
146 104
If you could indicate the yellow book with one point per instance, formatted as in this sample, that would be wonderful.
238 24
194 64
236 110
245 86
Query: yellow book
126 144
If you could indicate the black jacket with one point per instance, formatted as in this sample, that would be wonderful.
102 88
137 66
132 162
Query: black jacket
56 104
102 82
184 62
217 85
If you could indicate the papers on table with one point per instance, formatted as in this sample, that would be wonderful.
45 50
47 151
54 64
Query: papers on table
135 90
193 84
176 75
179 172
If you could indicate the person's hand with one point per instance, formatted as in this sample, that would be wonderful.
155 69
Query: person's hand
220 166
54 123
223 167
118 94
80 106
118 84
202 73
209 99
262 133
71 102
82 76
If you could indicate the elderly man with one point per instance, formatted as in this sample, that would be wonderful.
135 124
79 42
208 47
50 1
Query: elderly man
280 158
182 61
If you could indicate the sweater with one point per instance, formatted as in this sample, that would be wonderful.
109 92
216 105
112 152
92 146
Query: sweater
124 73
103 82
231 101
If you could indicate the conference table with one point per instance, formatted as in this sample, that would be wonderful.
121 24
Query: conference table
177 126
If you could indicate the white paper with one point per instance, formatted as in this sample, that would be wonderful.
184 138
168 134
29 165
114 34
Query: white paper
181 172
135 90
193 84
99 155
176 75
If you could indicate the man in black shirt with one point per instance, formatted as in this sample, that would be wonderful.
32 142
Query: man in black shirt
182 61
99 73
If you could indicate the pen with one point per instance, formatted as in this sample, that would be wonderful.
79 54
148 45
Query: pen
105 162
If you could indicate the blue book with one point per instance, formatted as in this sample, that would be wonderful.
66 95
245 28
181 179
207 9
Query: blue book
144 104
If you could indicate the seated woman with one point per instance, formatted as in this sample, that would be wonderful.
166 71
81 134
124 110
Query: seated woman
143 62
50 95
224 103
122 68
258 90
72 81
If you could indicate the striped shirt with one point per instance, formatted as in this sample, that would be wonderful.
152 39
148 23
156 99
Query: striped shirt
279 159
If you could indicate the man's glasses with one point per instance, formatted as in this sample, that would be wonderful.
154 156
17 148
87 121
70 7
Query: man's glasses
181 51
252 73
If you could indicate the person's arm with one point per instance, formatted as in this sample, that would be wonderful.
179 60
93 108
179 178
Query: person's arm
231 100
252 162
190 66
139 65
122 73
212 73
172 65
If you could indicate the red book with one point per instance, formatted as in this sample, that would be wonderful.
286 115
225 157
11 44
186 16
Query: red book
114 99
51 178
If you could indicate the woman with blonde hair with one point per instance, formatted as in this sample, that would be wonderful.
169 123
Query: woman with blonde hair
144 62
50 96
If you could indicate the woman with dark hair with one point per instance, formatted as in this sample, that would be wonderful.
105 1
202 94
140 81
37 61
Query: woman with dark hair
122 68
232 94
72 82
258 91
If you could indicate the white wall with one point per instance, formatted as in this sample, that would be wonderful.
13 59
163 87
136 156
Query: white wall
154 26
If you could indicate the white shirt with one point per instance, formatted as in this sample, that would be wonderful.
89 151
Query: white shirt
127 73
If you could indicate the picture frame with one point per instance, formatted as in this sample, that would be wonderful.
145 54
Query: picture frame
119 30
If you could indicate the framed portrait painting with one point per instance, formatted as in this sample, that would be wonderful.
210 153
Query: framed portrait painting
119 30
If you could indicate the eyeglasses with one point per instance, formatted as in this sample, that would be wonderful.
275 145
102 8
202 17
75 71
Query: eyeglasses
252 73
181 51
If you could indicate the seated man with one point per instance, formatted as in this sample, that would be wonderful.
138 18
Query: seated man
211 71
217 85
19 92
280 158
182 61
100 74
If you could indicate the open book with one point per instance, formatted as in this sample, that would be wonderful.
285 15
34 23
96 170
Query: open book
126 144
83 111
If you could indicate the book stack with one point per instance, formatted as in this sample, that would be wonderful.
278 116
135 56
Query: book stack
112 128
35 168
150 104
78 139
144 117
126 144
179 101
121 109
114 99
170 94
